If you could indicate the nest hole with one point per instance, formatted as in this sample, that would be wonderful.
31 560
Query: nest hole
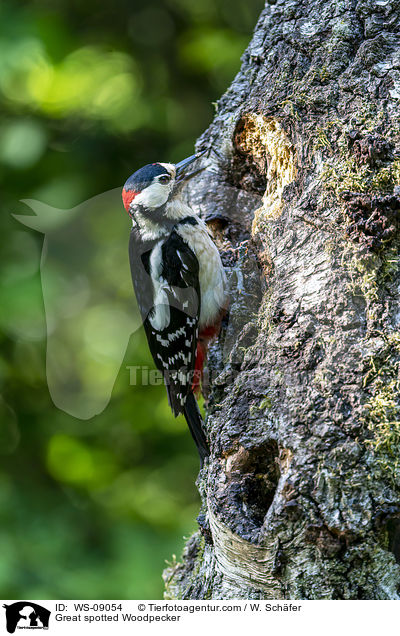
253 476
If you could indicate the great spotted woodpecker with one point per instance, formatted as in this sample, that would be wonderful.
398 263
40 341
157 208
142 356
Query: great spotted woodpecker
179 282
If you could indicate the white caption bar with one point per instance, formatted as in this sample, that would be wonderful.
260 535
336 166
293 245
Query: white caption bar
175 618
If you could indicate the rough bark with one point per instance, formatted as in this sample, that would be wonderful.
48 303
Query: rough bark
301 494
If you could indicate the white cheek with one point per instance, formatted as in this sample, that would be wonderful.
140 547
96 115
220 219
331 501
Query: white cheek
154 196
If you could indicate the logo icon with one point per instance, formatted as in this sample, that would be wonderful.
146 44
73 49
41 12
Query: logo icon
26 615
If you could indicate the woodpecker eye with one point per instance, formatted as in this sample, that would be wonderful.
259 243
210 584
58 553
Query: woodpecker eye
165 178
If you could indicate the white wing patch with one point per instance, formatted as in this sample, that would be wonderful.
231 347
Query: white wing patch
160 315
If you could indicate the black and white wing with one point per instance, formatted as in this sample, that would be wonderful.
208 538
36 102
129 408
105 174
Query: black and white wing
166 280
165 275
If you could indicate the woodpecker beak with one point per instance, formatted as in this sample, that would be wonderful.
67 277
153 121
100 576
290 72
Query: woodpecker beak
181 167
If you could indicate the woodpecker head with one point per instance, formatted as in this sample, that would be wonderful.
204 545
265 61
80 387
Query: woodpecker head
150 187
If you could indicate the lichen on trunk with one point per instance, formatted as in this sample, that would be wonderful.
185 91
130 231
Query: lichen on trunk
301 496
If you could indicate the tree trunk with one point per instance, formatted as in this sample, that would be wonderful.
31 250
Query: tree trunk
301 494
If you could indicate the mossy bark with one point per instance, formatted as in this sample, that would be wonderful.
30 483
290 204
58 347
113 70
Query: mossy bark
301 496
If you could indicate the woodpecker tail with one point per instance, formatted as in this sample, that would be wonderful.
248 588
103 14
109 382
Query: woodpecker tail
195 424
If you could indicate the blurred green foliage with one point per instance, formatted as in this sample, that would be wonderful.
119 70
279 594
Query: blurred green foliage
89 92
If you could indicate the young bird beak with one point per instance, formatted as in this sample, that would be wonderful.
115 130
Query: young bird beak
180 167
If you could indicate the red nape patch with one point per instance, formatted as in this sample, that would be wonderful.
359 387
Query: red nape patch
127 198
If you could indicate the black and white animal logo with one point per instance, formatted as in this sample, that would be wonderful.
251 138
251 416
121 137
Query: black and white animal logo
26 615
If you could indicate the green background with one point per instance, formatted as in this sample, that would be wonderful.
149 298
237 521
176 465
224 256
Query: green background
89 92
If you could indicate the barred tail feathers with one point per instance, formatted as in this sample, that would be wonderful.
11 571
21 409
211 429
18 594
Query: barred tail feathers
195 424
